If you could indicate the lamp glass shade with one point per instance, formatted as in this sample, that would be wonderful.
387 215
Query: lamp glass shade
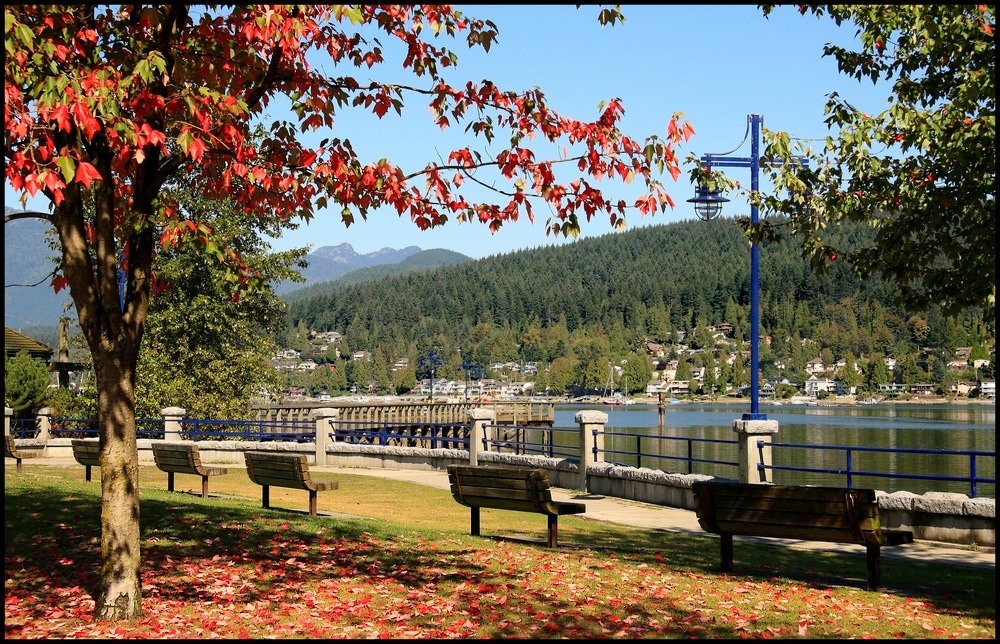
707 202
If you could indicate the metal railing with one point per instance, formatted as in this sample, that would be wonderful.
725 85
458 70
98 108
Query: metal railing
689 442
525 439
383 433
849 471
249 430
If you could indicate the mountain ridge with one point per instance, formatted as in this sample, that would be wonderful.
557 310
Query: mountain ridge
29 300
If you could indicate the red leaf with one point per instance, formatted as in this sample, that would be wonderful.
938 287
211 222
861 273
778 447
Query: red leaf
86 173
59 283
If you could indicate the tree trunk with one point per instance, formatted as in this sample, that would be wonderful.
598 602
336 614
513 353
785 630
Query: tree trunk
120 595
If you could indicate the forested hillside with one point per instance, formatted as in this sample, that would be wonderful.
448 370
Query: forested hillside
598 298
421 261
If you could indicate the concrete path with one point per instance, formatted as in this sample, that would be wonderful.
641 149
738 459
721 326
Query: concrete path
656 517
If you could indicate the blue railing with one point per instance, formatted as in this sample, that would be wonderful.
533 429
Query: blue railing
689 442
192 429
430 434
517 439
22 428
300 431
850 472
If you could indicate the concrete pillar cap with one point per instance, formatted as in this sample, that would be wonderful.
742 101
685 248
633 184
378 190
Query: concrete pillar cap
591 416
480 413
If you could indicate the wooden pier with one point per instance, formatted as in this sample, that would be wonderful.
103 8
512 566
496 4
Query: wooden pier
412 417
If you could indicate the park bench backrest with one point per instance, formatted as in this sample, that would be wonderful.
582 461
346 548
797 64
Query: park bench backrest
839 515
280 470
10 447
182 458
10 451
503 489
87 451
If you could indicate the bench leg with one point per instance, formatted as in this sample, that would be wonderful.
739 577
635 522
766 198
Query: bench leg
312 502
88 473
265 496
475 522
204 487
727 552
18 464
553 531
170 481
874 567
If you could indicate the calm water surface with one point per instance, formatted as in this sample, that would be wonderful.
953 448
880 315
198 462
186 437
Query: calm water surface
900 426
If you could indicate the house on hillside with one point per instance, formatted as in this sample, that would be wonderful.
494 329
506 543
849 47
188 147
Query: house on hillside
892 389
960 388
815 385
815 366
654 348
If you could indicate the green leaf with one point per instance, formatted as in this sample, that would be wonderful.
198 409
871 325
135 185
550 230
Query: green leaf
68 168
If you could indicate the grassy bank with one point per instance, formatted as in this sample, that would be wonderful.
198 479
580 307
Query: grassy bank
393 559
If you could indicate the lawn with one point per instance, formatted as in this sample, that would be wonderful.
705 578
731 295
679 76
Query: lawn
390 559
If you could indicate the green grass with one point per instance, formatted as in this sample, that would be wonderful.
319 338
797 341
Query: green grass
388 558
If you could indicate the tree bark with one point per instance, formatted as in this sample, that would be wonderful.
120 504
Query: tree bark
120 595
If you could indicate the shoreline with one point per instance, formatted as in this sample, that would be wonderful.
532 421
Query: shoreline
841 401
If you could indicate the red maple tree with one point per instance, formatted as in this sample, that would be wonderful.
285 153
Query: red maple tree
105 105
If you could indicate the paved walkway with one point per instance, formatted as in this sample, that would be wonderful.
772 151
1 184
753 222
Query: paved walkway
656 517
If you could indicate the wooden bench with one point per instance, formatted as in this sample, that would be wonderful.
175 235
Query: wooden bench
507 489
183 458
831 514
87 452
10 451
284 470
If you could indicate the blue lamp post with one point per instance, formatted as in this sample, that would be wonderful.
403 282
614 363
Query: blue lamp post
430 361
121 280
708 204
468 367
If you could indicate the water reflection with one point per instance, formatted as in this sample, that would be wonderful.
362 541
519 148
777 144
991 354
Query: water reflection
909 426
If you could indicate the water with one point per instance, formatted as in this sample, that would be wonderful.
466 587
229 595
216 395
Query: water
900 426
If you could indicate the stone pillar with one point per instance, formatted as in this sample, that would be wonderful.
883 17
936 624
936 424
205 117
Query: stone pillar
7 413
749 432
589 421
43 423
478 419
172 417
322 417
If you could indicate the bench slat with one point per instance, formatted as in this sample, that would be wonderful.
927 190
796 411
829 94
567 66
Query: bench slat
804 533
793 506
780 517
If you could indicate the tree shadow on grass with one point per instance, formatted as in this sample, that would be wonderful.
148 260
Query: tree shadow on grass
942 585
190 545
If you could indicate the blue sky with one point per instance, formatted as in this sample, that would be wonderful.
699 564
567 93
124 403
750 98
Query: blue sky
716 64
